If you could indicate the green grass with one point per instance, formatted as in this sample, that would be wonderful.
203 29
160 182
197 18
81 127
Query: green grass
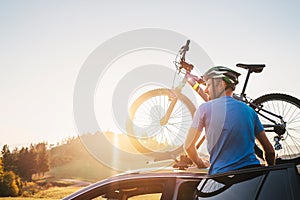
53 193
54 186
86 170
56 192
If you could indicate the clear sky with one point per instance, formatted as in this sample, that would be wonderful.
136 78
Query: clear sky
43 45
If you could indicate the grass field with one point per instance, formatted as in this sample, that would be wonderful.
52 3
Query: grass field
53 193
82 169
64 180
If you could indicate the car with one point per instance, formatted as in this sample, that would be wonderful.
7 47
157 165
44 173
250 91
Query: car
268 182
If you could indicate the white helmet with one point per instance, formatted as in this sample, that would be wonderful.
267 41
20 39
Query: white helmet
228 75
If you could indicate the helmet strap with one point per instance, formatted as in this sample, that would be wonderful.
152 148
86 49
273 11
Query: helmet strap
214 90
229 86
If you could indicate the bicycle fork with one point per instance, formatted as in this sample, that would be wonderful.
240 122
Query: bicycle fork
173 98
164 120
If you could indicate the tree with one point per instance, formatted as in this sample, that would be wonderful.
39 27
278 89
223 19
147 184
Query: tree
1 168
34 159
10 185
26 164
9 160
42 158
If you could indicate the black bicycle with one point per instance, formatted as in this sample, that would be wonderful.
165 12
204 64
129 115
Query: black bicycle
159 119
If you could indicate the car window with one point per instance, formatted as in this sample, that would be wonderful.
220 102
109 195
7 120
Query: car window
133 189
187 190
235 186
132 193
156 196
99 198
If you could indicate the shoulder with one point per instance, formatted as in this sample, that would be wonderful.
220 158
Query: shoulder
246 108
206 106
203 109
239 103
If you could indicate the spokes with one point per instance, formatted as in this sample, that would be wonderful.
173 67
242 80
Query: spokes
153 134
290 113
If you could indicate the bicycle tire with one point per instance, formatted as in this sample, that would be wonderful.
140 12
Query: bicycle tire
146 133
289 108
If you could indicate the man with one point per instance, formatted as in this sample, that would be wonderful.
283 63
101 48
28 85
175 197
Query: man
230 126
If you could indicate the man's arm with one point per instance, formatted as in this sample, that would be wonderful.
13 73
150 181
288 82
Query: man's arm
191 150
269 152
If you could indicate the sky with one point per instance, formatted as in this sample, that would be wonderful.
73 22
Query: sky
43 45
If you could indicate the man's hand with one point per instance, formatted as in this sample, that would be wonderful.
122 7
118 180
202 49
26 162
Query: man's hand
191 149
202 163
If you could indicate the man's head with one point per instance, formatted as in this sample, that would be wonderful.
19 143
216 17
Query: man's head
220 79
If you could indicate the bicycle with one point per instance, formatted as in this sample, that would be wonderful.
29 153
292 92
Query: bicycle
159 119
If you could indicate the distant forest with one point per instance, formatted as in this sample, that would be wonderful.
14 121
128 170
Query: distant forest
69 159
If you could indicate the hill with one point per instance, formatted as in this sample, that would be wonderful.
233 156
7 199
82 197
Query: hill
72 160
93 157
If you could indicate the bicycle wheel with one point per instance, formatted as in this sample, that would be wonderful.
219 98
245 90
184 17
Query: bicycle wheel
288 108
147 132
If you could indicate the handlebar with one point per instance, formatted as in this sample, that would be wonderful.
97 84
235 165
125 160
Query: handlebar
184 65
185 48
193 80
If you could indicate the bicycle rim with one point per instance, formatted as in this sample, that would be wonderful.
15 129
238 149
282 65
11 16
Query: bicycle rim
147 134
289 108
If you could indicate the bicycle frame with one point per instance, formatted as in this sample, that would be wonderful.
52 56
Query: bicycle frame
277 128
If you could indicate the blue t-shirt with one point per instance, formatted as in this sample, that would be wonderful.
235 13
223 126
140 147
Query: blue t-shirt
230 126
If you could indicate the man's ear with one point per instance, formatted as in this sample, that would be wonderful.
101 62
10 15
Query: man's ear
222 83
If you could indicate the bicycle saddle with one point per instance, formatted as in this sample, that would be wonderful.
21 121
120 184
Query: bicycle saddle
257 68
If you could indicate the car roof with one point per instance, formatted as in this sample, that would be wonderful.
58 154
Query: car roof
167 172
171 173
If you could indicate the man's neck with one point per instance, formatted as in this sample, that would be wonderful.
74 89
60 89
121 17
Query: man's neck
228 92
